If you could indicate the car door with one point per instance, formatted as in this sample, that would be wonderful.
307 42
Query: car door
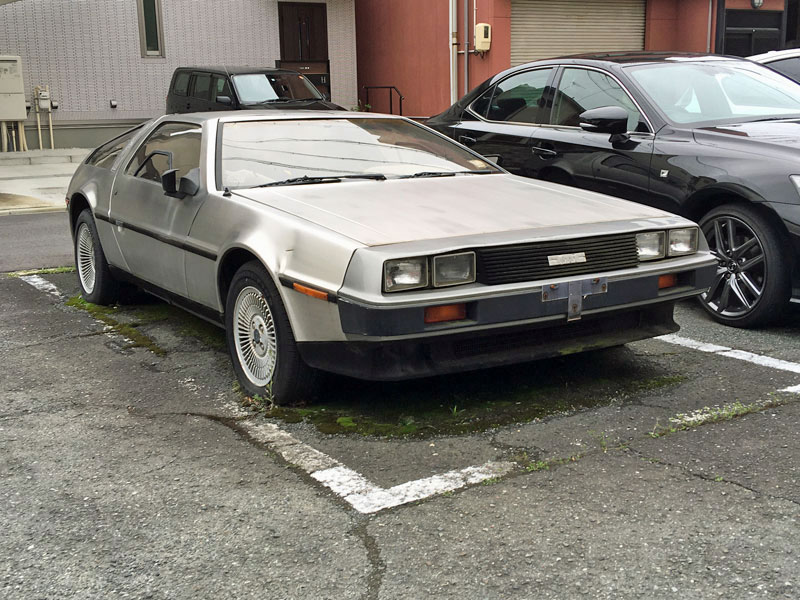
200 93
151 227
501 121
565 153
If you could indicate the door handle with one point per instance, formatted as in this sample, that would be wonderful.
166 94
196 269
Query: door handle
467 140
544 152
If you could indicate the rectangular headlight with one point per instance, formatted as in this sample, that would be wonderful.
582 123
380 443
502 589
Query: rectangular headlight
453 269
405 274
650 245
682 241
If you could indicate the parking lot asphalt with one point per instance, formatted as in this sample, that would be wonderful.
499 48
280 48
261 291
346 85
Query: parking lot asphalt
130 468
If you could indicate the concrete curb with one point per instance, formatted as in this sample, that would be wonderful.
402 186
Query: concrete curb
4 212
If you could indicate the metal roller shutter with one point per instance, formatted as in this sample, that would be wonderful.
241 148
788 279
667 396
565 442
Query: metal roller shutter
550 28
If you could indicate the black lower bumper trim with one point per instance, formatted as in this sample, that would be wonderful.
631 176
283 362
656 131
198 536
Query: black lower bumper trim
396 360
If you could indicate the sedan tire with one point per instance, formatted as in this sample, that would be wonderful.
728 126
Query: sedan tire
97 284
752 283
261 342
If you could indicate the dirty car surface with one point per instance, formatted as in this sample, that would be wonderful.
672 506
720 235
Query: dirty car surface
370 246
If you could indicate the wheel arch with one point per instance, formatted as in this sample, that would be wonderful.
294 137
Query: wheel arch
78 202
709 198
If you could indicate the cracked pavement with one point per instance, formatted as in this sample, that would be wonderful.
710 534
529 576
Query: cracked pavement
126 474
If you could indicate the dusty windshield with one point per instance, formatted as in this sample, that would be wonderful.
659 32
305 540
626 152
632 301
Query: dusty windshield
260 152
255 88
718 91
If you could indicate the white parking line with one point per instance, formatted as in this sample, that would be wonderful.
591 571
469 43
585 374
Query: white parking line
756 359
354 488
795 389
42 285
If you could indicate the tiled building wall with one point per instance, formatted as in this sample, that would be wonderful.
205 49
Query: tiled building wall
88 51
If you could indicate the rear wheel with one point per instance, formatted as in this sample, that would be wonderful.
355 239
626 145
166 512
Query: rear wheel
97 284
261 342
752 283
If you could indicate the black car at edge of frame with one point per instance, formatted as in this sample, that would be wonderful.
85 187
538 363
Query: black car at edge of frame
713 138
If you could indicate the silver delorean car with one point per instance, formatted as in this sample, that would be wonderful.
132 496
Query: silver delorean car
370 246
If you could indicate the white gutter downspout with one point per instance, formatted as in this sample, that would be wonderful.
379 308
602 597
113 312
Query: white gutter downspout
453 33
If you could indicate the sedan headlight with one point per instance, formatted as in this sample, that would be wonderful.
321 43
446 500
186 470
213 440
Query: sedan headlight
682 241
453 269
405 274
650 245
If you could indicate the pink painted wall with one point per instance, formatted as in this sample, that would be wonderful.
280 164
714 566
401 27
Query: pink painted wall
680 25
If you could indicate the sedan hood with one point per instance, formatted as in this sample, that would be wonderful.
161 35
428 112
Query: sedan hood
760 137
407 210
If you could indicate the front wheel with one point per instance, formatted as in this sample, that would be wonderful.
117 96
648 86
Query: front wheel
752 284
261 342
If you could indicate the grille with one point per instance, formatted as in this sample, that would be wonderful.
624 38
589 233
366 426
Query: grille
528 262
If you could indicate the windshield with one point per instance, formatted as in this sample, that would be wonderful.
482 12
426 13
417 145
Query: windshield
709 92
258 152
265 87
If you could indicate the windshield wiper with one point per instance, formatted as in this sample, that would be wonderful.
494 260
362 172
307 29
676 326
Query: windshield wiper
422 174
305 179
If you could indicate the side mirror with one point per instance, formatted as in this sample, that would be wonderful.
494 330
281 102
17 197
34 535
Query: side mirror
189 184
169 182
493 158
226 100
606 119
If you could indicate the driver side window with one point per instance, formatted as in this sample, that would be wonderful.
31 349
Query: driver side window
170 146
583 89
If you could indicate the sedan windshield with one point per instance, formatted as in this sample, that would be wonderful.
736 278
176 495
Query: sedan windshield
255 153
721 91
255 88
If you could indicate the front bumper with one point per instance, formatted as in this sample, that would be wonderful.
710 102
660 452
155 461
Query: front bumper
395 343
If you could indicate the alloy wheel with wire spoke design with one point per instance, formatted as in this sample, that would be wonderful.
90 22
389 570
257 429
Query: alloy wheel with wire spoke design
741 266
98 286
84 257
255 337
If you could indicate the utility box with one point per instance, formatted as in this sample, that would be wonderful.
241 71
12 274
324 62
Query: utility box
12 89
483 37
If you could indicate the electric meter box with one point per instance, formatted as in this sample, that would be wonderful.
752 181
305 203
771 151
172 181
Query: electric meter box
483 37
12 90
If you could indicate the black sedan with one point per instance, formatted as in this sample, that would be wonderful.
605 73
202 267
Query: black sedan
716 139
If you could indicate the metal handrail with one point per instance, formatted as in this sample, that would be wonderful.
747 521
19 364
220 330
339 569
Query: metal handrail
391 88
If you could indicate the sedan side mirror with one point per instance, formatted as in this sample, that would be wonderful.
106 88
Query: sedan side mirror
606 119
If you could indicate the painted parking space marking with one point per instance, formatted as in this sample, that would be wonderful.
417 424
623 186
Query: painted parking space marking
795 389
42 285
756 359
355 489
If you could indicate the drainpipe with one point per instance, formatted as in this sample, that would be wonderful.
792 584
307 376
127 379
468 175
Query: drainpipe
466 46
453 33
708 38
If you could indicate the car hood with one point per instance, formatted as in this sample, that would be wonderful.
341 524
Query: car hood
773 137
394 211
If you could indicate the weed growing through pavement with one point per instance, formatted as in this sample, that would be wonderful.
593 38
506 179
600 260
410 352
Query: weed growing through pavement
710 414
50 271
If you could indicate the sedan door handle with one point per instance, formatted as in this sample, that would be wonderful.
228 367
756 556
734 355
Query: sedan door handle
544 152
467 140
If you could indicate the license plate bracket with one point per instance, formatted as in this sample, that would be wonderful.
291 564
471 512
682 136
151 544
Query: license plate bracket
574 292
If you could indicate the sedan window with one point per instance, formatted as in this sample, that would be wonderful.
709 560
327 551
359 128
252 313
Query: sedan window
170 146
582 89
254 153
788 66
718 91
521 98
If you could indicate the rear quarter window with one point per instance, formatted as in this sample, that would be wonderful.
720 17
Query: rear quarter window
181 84
106 155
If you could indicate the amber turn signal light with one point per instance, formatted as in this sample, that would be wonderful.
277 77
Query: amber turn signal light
667 281
447 312
320 295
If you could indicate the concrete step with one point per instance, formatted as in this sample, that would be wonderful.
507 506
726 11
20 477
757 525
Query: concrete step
44 157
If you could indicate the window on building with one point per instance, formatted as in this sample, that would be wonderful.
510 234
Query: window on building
150 30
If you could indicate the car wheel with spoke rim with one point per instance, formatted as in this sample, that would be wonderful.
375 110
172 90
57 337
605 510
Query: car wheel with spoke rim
261 342
97 284
751 284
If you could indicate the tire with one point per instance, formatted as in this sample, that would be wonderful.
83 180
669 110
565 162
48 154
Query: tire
97 284
263 349
752 284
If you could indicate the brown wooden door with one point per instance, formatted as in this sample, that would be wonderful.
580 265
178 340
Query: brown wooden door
304 31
